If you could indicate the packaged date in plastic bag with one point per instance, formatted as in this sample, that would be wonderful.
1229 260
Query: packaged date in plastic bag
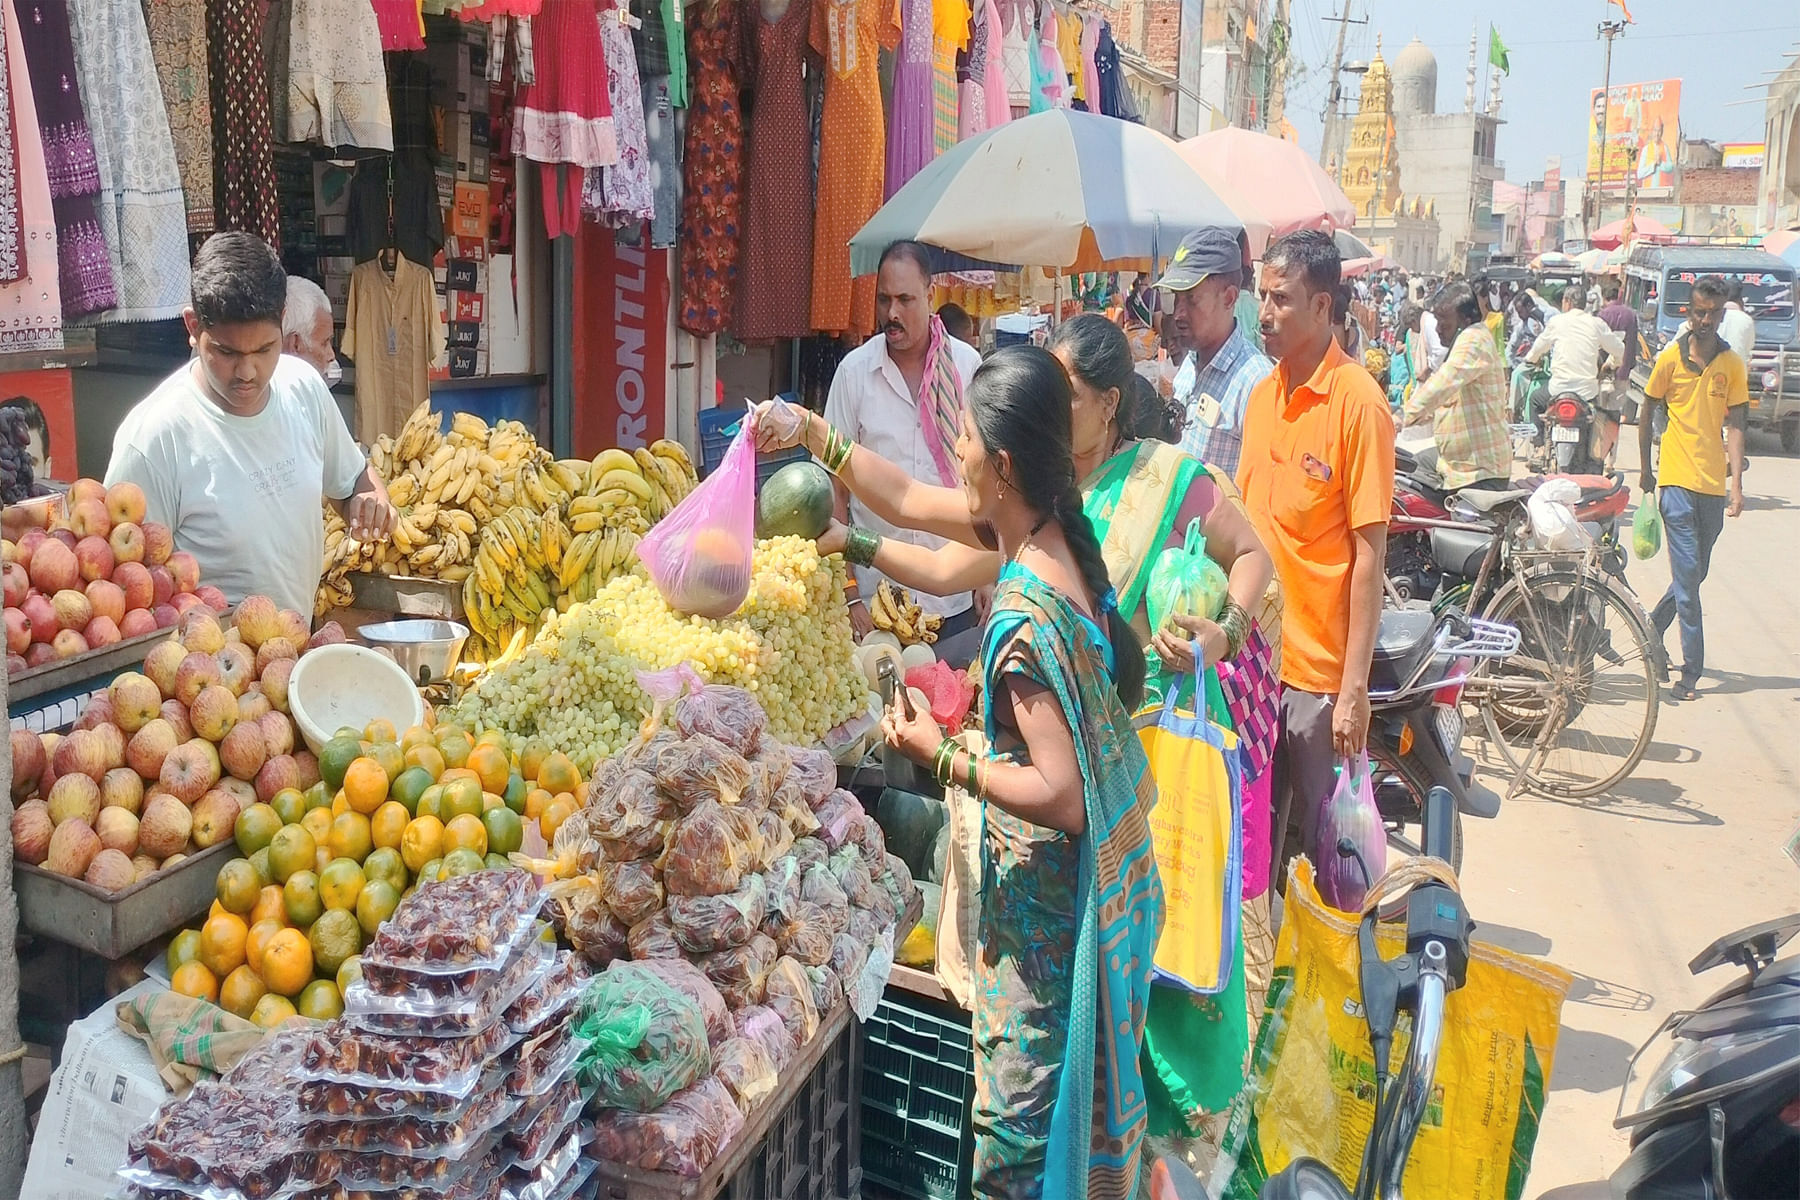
645 1039
591 928
729 714
621 810
631 889
815 772
692 982
803 933
765 1027
839 818
776 838
684 1136
703 924
788 994
654 937
700 769
746 1070
706 853
739 973
827 989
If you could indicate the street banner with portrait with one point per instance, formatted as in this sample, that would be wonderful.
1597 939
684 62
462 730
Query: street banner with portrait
1642 136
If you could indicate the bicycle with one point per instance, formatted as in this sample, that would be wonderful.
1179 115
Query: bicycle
1573 712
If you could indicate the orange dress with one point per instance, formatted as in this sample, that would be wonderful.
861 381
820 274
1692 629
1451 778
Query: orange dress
849 36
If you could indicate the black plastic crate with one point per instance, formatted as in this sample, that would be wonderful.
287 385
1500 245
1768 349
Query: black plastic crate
918 1082
718 426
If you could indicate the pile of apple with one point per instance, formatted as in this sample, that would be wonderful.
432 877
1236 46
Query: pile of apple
96 577
161 762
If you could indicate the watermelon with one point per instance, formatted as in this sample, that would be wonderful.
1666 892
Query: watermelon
796 502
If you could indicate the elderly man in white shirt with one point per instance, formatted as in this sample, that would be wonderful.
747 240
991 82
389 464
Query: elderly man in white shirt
900 394
1579 338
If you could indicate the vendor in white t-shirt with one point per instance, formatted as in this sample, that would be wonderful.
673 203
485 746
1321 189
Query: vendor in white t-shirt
236 449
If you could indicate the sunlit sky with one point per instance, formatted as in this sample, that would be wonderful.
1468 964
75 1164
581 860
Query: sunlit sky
1715 48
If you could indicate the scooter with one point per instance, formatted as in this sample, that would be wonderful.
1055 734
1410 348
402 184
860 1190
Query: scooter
1712 1099
1416 982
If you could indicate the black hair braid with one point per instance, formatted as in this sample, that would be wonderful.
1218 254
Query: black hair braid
1128 655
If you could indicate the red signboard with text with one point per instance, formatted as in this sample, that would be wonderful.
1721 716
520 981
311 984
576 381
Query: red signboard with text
621 342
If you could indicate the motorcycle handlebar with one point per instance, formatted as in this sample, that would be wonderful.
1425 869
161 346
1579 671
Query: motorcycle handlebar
1437 822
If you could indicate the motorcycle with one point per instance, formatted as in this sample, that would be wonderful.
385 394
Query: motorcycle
1415 982
1421 662
1572 436
1716 1114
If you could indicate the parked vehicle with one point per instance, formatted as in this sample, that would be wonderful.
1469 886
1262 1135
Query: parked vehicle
1569 436
1659 280
1712 1099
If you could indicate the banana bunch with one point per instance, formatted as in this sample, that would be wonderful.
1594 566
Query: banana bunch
893 610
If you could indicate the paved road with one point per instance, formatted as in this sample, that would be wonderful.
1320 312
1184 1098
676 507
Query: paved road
1622 890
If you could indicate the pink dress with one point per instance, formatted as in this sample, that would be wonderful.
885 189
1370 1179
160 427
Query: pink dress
1090 72
402 27
984 103
30 309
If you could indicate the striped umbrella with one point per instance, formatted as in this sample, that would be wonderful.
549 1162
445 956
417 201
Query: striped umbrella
1063 190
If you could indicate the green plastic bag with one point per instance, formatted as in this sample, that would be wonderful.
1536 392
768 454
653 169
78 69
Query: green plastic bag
1185 581
1646 528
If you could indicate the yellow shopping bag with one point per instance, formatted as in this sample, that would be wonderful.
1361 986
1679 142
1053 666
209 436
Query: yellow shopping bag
1197 834
1312 1072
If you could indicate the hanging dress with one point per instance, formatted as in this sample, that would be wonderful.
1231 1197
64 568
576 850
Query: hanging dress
12 228
243 129
1015 57
984 93
142 214
849 35
30 308
565 114
84 268
662 67
774 295
1090 70
950 20
622 194
178 44
1053 77
911 142
402 24
712 208
1115 96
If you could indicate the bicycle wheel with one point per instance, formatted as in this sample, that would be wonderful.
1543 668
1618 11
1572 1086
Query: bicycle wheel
1574 710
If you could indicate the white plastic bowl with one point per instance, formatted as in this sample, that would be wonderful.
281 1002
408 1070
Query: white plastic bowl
340 685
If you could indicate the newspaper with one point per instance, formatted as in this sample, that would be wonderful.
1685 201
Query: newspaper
106 1087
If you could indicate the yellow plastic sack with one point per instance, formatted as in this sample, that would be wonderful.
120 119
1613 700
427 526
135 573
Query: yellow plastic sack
1312 1072
1197 834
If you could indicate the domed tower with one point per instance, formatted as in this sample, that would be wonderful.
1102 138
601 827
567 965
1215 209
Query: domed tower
1371 140
1415 80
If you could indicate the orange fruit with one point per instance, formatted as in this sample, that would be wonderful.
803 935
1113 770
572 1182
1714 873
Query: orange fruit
417 735
465 832
411 784
388 824
352 836
536 801
322 859
531 758
184 947
272 1010
581 794
289 804
300 897
335 758
461 795
222 943
516 791
376 904
559 811
505 831
255 826
334 937
385 864
366 785
391 758
380 730
292 849
339 805
216 909
320 1001
455 745
193 979
422 842
258 941
489 802
269 905
427 757
340 883
431 802
558 774
287 963
491 764
241 991
491 737
238 886
348 973
259 862
317 822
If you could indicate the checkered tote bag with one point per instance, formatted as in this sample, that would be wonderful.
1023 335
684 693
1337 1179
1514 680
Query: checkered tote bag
1253 697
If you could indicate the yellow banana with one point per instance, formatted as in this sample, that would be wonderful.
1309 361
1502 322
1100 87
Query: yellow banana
664 448
630 481
611 460
572 473
587 522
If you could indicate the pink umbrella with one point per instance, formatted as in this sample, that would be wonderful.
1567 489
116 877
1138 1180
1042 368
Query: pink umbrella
1276 178
1643 229
1776 241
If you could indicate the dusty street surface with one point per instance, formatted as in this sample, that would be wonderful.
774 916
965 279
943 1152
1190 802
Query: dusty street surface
1623 890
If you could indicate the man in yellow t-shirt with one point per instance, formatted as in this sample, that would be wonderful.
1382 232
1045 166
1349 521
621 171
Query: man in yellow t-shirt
1700 384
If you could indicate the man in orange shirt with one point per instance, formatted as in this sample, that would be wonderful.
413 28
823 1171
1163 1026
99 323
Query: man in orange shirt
1317 475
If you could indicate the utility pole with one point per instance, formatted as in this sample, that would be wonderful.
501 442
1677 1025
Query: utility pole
1608 30
1280 29
1334 94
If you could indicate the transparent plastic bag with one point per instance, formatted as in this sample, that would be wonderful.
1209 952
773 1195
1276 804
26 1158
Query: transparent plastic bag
848 957
811 852
739 972
1349 812
344 1054
629 804
746 1070
631 890
1185 581
543 1125
698 555
827 989
764 1026
664 688
839 817
703 924
221 1136
1646 527
819 886
454 936
684 1136
552 1000
783 882
561 1175
776 839
706 853
692 982
853 875
788 993
416 1137
897 878
645 1039
803 933
729 714
700 769
431 1015
323 1099
870 842
654 937
815 772
542 1061
769 768
597 935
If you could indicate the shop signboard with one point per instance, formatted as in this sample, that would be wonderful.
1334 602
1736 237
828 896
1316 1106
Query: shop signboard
48 397
1742 154
1642 136
621 342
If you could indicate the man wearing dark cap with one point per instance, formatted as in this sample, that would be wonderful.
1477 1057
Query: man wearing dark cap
1203 280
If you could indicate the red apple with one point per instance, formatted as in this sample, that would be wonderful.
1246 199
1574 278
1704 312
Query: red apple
159 543
307 763
201 631
82 752
87 489
237 670
145 752
94 558
39 654
65 536
134 578
278 732
253 704
138 622
102 631
189 771
18 583
69 644
186 602
42 615
16 663
244 750
107 600
275 682
258 619
162 585
214 712
243 789
175 713
329 634
125 503
54 567
18 631
28 763
197 672
127 542
165 616
281 771
212 597
98 712
122 787
186 570
112 739
274 648
163 664
27 545
136 700
295 628
89 518
72 608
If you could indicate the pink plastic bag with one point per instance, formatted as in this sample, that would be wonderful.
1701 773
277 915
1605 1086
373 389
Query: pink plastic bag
699 555
1350 812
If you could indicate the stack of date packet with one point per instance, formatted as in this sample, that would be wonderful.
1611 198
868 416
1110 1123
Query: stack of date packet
449 1077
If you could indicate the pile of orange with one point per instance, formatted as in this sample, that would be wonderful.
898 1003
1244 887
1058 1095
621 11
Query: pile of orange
322 869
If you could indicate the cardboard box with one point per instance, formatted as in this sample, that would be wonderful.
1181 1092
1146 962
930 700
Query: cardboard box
469 215
464 335
464 275
468 306
463 364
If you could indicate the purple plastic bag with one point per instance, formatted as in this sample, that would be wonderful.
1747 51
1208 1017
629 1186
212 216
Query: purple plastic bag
1350 812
